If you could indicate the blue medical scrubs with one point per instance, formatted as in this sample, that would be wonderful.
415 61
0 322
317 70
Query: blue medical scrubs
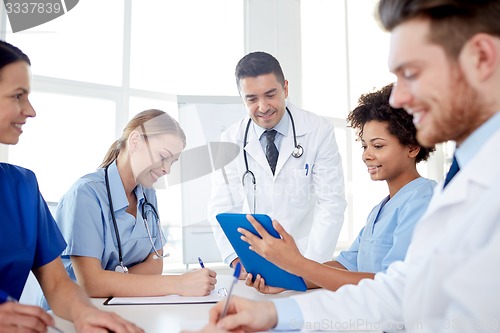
29 237
84 217
389 228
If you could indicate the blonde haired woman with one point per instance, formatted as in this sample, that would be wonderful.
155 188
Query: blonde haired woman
110 220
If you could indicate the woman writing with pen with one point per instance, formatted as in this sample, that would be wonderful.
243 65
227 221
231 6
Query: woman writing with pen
29 237
110 221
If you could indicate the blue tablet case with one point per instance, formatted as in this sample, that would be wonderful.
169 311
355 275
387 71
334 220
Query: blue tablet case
253 262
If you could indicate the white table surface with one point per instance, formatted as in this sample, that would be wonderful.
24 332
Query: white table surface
170 318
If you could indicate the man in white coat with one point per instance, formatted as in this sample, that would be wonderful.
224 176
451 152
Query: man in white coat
446 58
303 187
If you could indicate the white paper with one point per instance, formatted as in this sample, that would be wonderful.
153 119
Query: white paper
220 292
170 299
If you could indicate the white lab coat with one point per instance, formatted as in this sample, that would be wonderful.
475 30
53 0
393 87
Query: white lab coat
306 194
450 279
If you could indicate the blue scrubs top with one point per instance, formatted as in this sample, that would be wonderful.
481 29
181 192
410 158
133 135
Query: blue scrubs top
389 228
29 237
84 217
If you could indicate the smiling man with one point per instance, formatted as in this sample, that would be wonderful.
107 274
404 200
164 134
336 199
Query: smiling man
446 58
291 156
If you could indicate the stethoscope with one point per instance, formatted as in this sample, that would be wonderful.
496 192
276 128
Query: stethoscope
121 267
297 152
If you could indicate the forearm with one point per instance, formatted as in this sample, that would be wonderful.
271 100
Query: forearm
336 264
64 296
359 302
109 283
331 275
70 302
150 266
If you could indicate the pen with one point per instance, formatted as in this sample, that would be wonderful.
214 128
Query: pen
201 262
236 276
307 168
4 297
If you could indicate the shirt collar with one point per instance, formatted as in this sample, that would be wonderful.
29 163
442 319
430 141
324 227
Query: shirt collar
281 127
118 194
466 151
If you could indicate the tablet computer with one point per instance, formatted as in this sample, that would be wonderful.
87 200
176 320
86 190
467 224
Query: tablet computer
253 262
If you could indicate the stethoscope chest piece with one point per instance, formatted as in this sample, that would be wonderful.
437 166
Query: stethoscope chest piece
121 268
297 151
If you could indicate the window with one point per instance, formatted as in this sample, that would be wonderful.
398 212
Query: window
186 47
104 61
66 140
85 44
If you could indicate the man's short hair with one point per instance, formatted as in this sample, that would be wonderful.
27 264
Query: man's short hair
258 63
452 22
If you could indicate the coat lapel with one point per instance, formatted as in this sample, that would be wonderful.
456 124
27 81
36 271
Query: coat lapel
481 170
288 144
286 149
254 149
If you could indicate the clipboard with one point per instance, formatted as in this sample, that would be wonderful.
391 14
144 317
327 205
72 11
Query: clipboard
214 297
219 293
253 262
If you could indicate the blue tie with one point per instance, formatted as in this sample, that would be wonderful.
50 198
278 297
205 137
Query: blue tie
271 150
453 171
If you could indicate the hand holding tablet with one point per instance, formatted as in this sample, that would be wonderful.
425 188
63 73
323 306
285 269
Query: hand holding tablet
252 261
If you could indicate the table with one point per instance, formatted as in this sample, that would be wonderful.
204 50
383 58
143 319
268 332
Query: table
170 318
